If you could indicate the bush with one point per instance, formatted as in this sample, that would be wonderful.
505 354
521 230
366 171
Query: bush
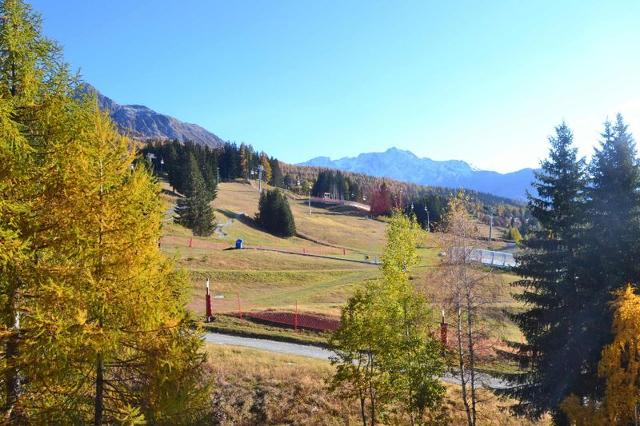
274 214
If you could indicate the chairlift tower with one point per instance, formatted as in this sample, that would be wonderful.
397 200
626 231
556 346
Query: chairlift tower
260 170
490 224
428 221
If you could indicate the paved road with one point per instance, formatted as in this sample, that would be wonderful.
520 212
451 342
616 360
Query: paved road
308 351
269 345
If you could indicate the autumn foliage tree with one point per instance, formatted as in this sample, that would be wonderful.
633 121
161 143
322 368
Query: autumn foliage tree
619 367
466 289
381 201
385 353
94 326
266 167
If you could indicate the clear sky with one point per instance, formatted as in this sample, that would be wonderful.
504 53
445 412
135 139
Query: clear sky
480 81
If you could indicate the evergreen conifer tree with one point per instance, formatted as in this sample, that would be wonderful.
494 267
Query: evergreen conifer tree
194 211
277 179
551 281
611 248
274 214
614 208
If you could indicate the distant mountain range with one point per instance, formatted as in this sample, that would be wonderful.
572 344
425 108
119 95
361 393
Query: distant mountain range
405 166
141 122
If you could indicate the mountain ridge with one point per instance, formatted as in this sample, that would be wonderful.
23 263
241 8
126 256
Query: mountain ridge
142 122
405 166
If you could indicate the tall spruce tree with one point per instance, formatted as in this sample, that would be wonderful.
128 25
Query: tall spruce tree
195 211
277 179
274 214
611 246
614 208
551 282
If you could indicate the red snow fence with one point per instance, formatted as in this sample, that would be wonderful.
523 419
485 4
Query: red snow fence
315 322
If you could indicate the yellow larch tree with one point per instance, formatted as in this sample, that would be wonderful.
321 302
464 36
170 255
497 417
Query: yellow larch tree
110 314
266 167
94 328
620 367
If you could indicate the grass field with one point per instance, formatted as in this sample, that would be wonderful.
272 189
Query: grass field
246 280
270 280
286 389
255 387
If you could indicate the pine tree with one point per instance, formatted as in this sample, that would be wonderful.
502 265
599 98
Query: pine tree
31 76
276 173
207 163
614 209
245 161
194 211
171 162
14 248
513 233
551 282
111 297
274 214
611 247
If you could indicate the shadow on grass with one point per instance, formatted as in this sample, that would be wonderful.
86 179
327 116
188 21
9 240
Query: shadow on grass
244 219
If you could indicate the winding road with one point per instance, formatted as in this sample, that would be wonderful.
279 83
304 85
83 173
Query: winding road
309 351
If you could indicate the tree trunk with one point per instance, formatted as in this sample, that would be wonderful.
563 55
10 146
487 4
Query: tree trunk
99 402
472 363
371 391
363 412
463 383
362 395
12 377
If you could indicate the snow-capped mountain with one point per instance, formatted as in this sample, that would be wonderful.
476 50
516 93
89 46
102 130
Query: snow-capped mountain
405 166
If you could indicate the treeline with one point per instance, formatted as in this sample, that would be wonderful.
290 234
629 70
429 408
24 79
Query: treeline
232 161
383 195
93 323
226 163
580 323
338 186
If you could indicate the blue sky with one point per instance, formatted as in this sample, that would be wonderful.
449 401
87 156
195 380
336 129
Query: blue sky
480 81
